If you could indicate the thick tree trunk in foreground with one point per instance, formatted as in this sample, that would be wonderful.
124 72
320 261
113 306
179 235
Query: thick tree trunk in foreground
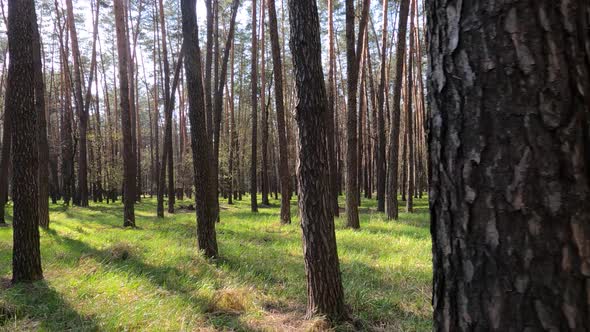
201 147
509 150
20 98
254 82
324 285
277 67
392 182
128 153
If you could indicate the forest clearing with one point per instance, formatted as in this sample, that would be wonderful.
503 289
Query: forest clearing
100 276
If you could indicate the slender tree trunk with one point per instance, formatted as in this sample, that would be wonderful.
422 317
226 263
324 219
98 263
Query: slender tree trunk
509 177
332 109
128 152
20 98
264 144
410 116
280 110
206 212
393 155
381 96
43 147
218 103
80 109
167 146
5 160
254 98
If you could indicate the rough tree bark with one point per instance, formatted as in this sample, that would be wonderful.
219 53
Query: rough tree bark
128 152
325 294
391 208
20 98
200 143
509 149
353 57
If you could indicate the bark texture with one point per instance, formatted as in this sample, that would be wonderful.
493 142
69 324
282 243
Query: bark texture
509 150
324 285
202 163
392 170
128 151
20 98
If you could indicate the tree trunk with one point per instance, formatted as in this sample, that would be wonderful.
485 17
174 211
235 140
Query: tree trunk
393 155
218 103
410 115
264 144
332 109
254 83
43 148
5 161
381 96
509 153
206 212
280 110
20 98
129 162
80 109
324 285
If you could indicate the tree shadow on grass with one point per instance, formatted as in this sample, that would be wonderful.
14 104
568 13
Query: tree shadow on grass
39 306
160 276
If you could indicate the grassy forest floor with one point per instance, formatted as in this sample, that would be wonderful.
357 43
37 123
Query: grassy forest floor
100 276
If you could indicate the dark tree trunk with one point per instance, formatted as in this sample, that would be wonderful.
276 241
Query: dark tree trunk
5 161
67 146
280 109
80 109
43 147
324 285
509 149
20 98
129 162
392 169
381 96
167 146
264 143
410 115
352 215
254 98
205 209
218 103
332 109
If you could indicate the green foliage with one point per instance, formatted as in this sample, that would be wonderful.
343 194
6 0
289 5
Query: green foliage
100 276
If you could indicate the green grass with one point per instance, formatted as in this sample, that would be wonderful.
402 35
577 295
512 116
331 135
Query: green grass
100 276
